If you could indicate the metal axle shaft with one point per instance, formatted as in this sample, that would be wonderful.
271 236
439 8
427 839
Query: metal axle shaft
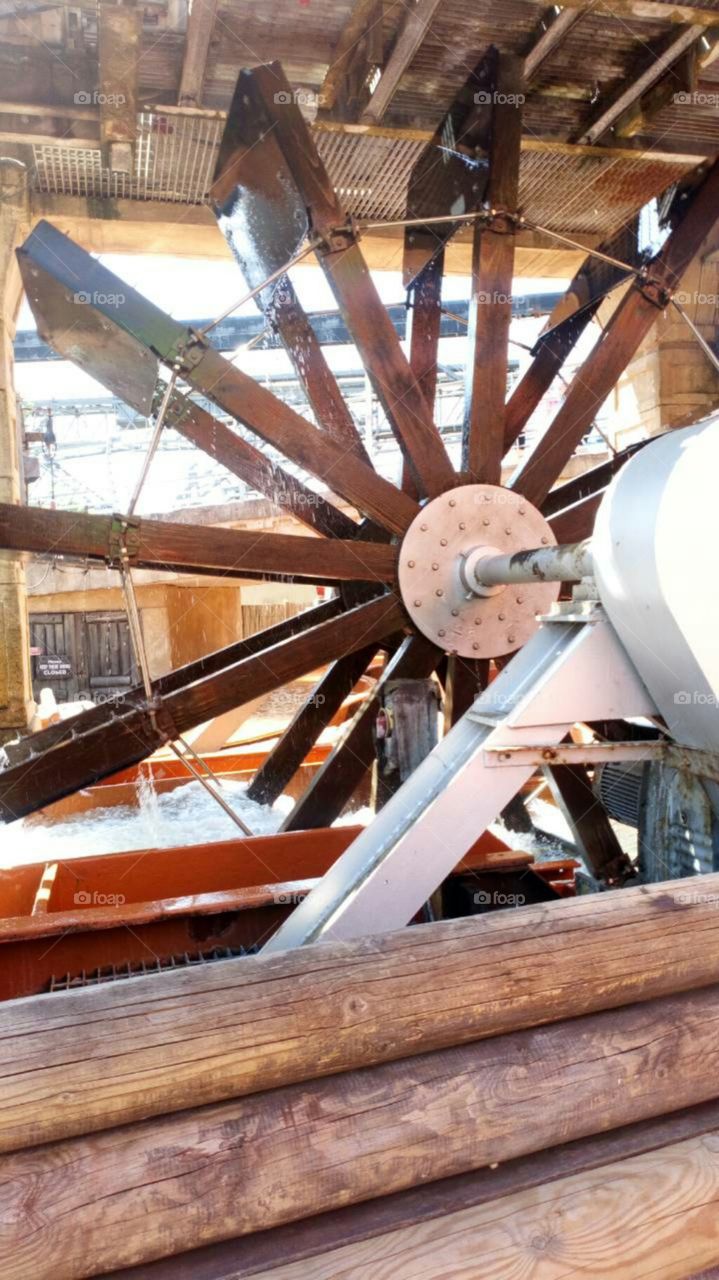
569 563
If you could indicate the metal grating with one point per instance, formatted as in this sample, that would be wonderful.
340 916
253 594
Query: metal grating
144 968
176 156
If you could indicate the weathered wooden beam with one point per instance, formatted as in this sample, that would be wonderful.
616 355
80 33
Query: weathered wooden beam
353 31
647 10
254 1163
554 25
307 724
187 1039
316 1238
340 256
338 778
414 28
424 303
627 327
655 66
138 730
575 523
257 470
680 78
119 46
157 544
200 26
608 1219
490 311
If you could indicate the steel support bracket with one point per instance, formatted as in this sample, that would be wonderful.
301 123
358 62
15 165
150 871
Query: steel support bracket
503 222
337 239
654 291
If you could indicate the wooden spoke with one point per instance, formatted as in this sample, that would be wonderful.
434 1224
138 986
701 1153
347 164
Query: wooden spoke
576 523
251 200
424 297
343 770
628 326
188 547
306 726
566 325
95 753
490 310
50 259
256 469
341 258
464 681
307 446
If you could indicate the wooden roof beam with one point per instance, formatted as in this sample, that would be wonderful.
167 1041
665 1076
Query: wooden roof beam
655 67
553 26
409 39
200 26
119 39
353 32
647 11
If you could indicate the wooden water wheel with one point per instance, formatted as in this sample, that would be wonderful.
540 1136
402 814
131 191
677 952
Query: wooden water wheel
394 551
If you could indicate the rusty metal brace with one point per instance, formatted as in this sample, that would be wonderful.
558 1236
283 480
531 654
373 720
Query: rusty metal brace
655 291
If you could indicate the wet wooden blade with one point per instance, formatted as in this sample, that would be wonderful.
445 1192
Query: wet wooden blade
56 272
306 726
340 775
259 214
96 753
189 547
339 255
628 326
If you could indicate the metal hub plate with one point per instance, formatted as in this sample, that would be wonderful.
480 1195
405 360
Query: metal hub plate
446 530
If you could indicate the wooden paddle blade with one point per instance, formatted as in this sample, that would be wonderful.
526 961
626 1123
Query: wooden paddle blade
55 268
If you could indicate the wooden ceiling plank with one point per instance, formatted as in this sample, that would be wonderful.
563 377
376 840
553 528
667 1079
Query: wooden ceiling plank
414 29
200 26
626 329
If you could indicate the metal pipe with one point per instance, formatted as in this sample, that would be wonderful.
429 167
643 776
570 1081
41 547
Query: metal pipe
569 563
